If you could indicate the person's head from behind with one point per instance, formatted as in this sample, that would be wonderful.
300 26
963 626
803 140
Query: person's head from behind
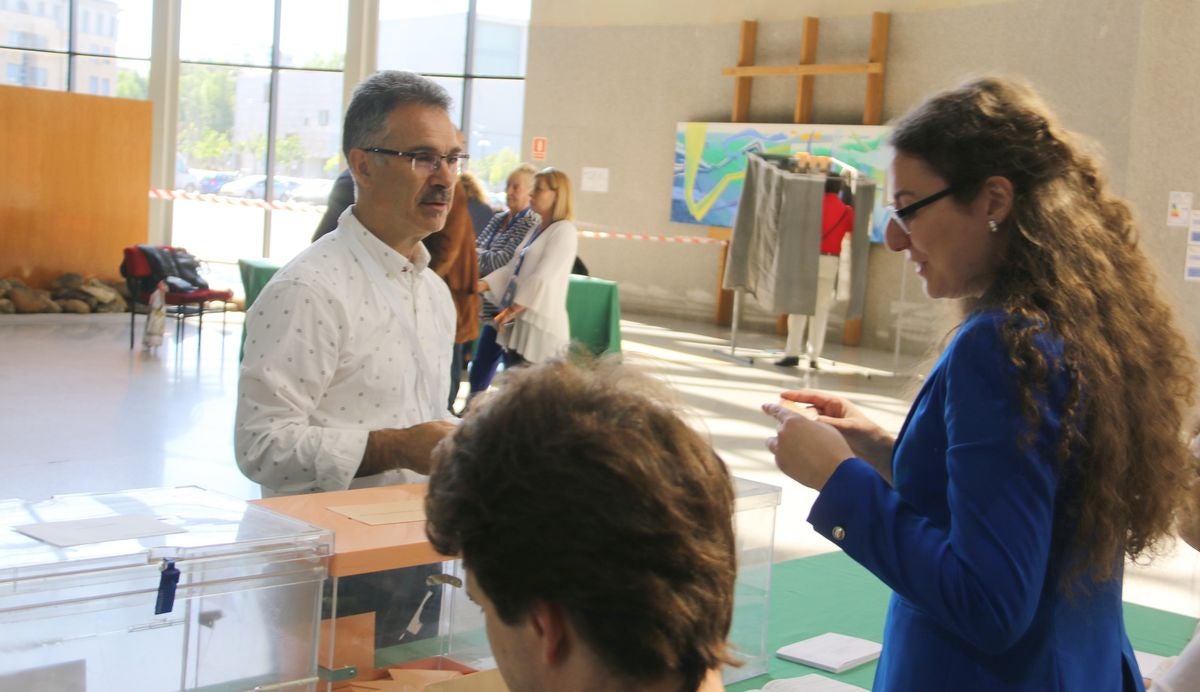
471 185
833 185
519 187
998 203
551 197
403 150
595 527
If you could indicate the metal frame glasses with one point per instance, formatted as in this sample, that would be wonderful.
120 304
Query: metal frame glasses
901 215
425 162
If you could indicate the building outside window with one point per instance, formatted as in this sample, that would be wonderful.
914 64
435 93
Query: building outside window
486 79
260 107
40 51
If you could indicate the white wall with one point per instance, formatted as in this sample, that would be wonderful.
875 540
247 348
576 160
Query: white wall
607 82
1165 141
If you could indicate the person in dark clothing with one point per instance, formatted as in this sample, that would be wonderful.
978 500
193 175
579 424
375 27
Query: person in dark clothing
340 197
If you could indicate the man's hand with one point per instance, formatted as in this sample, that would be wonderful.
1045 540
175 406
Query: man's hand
403 448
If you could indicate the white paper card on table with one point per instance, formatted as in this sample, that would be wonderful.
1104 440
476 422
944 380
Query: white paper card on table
831 651
1153 665
393 512
810 683
65 534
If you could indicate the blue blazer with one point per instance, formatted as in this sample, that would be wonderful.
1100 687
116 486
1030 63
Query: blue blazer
964 539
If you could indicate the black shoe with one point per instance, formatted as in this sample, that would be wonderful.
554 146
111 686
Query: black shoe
788 361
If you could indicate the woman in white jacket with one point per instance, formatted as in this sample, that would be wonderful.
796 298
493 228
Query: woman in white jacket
532 288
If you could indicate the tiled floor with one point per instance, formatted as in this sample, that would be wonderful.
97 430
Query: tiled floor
80 412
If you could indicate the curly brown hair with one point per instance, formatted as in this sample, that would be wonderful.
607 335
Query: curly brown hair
1073 269
581 486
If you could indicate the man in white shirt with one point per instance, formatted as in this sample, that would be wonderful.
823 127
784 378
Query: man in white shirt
343 382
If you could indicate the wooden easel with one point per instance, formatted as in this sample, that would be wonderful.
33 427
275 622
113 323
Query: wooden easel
805 72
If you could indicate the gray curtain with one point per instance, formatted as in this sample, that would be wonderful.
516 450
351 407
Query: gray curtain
776 240
860 247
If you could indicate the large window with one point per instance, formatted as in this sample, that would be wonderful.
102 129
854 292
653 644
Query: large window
486 76
259 121
99 47
260 86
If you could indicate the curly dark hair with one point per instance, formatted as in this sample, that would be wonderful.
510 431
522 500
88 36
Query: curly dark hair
1073 269
574 485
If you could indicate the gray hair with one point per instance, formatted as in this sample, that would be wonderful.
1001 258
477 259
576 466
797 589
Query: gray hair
377 96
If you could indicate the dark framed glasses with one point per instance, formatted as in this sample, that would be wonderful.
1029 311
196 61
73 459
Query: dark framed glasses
902 215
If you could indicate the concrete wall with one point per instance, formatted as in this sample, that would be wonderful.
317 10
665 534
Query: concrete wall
1164 149
607 82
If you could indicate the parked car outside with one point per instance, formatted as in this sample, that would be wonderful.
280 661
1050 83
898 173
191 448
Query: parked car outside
314 191
211 181
255 187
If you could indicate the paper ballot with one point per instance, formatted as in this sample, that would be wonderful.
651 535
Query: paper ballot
810 683
833 652
394 512
1153 666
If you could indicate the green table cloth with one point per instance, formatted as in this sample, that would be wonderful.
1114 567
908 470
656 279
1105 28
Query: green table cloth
255 275
594 309
832 593
593 305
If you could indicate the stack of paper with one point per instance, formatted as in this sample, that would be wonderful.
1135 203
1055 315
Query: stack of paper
809 683
1153 666
833 652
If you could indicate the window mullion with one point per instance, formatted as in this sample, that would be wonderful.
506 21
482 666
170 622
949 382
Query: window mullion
272 117
71 8
468 69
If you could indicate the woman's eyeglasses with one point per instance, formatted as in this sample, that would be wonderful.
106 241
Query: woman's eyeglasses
902 215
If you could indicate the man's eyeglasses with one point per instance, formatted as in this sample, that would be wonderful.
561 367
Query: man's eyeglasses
902 215
425 161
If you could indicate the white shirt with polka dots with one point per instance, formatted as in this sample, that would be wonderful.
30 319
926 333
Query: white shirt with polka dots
327 360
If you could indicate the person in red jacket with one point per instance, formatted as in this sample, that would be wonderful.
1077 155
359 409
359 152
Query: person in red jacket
837 219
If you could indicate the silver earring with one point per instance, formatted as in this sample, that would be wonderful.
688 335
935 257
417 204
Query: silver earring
993 226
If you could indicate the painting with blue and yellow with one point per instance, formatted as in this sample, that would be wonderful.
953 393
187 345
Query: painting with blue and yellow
710 163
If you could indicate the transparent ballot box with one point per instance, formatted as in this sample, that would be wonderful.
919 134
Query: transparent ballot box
157 589
392 602
754 525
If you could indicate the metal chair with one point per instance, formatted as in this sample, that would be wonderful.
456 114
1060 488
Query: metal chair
144 266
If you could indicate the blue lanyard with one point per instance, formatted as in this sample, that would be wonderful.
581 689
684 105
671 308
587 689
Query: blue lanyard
537 232
520 215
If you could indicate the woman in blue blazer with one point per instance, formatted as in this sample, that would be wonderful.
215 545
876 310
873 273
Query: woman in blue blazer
1044 446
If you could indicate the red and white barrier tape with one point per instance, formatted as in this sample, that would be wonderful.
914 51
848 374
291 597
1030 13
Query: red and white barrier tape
294 206
686 239
235 201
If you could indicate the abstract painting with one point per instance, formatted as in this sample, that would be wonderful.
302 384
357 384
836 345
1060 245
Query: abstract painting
710 163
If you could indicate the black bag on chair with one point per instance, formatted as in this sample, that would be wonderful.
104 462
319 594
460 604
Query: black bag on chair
187 267
178 267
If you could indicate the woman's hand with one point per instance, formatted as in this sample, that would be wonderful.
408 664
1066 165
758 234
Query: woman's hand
807 451
509 314
867 440
481 287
